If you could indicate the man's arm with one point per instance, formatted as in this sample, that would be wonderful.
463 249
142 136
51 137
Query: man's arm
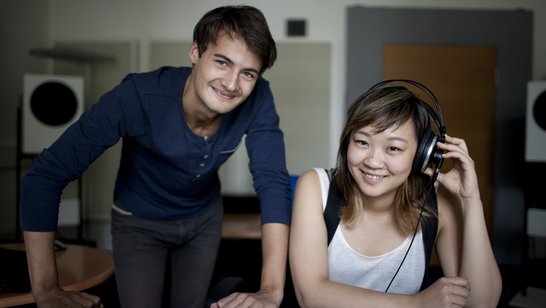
42 266
274 251
266 151
42 269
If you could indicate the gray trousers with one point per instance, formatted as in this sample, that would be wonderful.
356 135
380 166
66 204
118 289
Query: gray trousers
144 249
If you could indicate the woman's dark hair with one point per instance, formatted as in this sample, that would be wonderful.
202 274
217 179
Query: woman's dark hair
383 108
244 22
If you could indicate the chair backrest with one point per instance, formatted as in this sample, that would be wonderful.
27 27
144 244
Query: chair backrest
293 180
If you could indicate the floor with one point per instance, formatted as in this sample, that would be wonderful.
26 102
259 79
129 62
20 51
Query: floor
515 277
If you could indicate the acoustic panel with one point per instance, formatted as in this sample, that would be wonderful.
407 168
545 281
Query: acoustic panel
69 212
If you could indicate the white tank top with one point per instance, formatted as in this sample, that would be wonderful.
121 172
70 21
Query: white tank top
347 266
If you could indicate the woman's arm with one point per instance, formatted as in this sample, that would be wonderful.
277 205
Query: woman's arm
308 256
463 244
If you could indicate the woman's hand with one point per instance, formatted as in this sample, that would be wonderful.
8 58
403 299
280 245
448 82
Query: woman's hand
461 179
446 292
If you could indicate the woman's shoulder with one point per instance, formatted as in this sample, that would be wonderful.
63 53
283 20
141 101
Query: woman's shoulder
313 175
315 181
312 181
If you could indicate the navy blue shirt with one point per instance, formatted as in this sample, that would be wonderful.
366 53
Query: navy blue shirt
166 171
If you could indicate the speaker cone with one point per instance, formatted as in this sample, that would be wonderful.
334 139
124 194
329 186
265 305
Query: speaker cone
53 103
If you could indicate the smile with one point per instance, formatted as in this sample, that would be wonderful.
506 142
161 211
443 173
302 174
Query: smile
371 178
225 95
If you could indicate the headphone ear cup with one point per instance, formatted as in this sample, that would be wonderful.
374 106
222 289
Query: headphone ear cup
425 152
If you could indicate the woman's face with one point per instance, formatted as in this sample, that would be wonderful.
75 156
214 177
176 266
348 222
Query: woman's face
381 162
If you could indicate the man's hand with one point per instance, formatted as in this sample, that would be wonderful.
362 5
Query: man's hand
275 250
61 298
42 267
261 299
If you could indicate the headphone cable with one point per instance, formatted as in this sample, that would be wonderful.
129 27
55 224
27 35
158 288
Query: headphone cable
434 176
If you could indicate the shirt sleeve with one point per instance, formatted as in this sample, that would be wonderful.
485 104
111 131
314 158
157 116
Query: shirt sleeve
265 146
69 156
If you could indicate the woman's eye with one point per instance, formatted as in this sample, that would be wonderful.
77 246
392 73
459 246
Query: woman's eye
393 149
361 143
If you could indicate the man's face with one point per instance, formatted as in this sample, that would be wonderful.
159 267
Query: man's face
224 75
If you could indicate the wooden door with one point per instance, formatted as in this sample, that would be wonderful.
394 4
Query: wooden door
463 80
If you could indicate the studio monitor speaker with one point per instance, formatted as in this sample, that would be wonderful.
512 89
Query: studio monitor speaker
535 133
51 103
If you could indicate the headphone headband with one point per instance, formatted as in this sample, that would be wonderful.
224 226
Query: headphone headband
436 116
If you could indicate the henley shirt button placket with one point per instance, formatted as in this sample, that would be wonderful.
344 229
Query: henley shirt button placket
202 164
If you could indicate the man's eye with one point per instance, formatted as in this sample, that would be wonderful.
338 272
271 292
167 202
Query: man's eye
249 75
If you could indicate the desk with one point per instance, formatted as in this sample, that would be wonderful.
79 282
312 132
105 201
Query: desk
79 267
241 226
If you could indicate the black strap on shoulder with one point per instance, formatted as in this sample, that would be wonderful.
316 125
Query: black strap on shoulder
430 230
331 212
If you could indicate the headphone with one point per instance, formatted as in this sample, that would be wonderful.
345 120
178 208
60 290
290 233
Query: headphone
428 154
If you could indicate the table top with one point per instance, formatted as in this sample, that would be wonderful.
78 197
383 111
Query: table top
79 267
83 267
241 226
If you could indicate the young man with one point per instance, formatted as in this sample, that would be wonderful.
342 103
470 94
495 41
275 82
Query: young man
177 125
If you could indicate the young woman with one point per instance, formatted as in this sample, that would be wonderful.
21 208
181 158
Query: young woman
391 214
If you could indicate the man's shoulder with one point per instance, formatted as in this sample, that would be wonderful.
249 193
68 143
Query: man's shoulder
262 83
260 94
161 78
